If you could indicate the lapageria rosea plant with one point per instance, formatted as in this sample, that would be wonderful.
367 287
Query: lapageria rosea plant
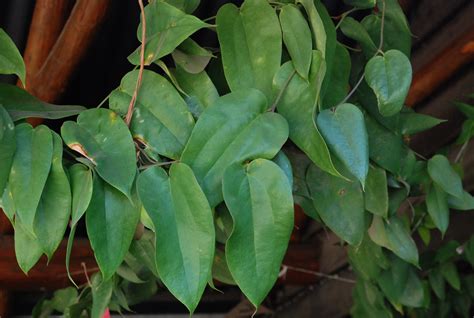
211 157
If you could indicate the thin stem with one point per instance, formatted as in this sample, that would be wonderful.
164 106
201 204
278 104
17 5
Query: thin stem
379 49
159 164
418 223
461 152
319 274
128 118
343 16
280 94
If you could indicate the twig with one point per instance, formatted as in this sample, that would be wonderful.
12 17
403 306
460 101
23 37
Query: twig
319 274
461 152
280 94
85 273
128 118
356 86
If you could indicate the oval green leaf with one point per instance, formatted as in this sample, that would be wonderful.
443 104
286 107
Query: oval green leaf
111 220
236 128
259 198
344 130
11 61
297 38
250 58
103 137
389 76
54 208
185 237
165 126
443 174
376 192
437 206
81 187
339 203
30 169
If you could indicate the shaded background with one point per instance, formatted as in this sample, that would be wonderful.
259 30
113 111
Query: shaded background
436 25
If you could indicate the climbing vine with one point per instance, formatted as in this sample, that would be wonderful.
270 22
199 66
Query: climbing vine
211 153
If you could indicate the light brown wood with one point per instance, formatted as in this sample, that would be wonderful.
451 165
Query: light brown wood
47 23
52 79
437 71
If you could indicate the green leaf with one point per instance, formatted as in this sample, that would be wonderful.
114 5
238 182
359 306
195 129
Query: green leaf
220 270
54 208
340 204
198 86
425 235
185 237
437 205
111 219
11 61
297 105
7 146
317 25
20 105
400 240
285 165
396 34
361 4
367 259
337 78
191 57
466 109
297 38
81 188
166 28
401 284
447 251
30 169
412 123
353 29
344 130
385 148
376 194
7 204
187 6
236 128
144 251
469 251
443 174
450 273
389 76
464 204
99 135
437 283
162 127
101 295
27 248
259 198
127 273
64 298
467 132
250 58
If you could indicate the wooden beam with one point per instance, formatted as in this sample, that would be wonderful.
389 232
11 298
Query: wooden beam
443 66
48 20
52 79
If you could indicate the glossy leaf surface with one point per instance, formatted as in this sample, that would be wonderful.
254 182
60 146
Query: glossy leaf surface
7 146
445 176
236 128
297 38
101 294
54 208
437 205
27 248
185 237
111 220
102 136
250 58
81 187
389 76
340 204
161 120
30 169
191 56
259 198
11 61
297 105
166 28
344 130
20 105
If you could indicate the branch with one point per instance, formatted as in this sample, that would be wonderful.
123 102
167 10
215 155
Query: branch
128 118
